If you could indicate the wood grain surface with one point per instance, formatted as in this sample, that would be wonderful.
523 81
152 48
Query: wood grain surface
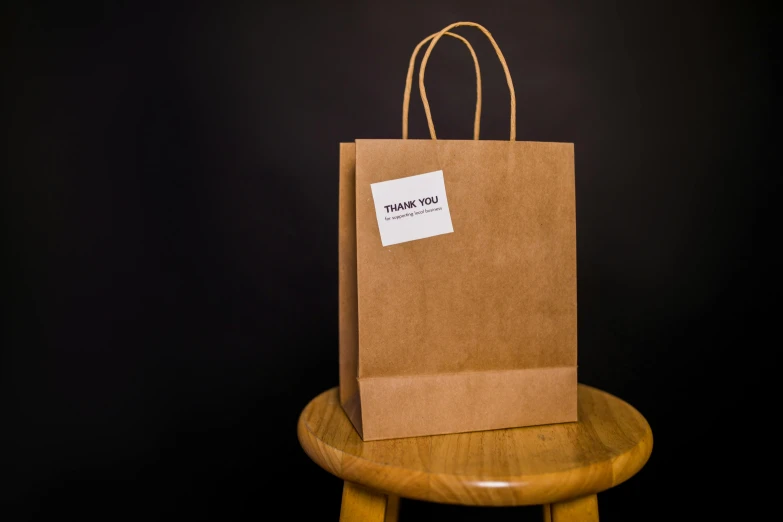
512 467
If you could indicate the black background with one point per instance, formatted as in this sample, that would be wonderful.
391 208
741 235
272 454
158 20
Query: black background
170 205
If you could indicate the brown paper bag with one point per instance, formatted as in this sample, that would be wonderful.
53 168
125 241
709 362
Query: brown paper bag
462 331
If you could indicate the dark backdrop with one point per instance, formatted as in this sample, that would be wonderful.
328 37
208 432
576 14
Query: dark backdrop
170 204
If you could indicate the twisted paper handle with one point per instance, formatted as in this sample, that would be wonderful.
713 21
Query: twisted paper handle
502 62
406 99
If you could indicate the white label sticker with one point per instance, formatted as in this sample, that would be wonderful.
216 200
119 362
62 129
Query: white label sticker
411 208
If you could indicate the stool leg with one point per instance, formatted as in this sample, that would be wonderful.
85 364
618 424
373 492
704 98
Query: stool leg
362 504
392 508
584 509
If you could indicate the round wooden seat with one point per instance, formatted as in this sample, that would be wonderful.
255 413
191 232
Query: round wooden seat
520 466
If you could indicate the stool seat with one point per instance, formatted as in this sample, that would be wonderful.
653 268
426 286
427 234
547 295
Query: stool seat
510 467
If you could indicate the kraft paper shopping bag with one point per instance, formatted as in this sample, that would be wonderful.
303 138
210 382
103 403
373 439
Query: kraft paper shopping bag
457 279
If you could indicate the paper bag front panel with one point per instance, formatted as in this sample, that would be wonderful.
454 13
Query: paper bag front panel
499 293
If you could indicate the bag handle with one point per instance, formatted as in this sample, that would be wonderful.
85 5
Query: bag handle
406 99
502 62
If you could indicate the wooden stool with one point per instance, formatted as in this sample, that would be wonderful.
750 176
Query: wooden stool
561 466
